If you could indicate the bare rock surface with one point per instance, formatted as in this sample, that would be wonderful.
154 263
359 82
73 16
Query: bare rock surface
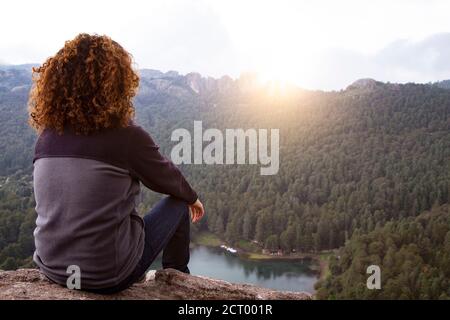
30 284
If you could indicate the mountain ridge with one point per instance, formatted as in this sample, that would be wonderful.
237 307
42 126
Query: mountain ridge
200 84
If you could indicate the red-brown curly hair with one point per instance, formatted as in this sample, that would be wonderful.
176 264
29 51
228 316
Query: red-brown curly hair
88 85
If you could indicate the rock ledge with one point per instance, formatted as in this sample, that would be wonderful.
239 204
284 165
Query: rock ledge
30 284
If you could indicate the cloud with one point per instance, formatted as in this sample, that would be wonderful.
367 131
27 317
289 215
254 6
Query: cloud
401 61
420 61
168 35
186 37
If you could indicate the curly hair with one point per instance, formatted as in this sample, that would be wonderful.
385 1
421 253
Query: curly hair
88 85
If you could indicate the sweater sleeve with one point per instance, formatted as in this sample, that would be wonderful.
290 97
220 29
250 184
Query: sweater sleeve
154 170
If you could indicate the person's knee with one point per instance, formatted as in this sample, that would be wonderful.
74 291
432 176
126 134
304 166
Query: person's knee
180 205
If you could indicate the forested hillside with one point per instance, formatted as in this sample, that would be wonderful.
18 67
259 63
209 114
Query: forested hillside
361 162
413 254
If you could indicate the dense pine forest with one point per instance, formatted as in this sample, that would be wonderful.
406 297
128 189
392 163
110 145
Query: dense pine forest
414 254
365 171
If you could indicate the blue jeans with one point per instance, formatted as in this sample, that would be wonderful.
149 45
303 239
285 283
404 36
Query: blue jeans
167 228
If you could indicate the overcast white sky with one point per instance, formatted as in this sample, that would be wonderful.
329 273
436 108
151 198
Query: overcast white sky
316 44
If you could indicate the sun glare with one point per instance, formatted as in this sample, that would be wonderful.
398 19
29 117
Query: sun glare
285 73
280 78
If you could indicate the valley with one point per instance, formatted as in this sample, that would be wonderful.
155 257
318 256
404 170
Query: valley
363 172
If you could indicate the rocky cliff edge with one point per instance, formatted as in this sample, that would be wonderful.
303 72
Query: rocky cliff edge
30 284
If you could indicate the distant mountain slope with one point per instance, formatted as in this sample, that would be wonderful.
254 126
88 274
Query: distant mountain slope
445 84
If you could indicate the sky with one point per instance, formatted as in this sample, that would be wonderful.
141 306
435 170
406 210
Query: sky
316 44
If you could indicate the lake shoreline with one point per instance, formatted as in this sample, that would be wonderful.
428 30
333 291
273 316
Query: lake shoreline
321 259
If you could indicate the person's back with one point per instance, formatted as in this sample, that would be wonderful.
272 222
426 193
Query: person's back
89 161
85 206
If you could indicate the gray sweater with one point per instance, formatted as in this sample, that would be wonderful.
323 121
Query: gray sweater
85 189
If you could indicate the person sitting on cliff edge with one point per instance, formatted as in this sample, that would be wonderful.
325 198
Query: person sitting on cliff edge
89 160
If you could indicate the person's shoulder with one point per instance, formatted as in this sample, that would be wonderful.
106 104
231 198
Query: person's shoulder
135 131
133 127
46 138
138 135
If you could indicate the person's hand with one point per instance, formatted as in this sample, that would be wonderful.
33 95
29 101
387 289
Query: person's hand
196 210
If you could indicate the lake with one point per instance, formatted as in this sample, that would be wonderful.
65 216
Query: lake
292 275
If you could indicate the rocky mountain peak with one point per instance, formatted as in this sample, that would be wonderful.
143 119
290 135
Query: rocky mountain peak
365 83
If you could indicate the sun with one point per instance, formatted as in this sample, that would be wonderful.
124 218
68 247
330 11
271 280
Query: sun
277 78
278 41
283 68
